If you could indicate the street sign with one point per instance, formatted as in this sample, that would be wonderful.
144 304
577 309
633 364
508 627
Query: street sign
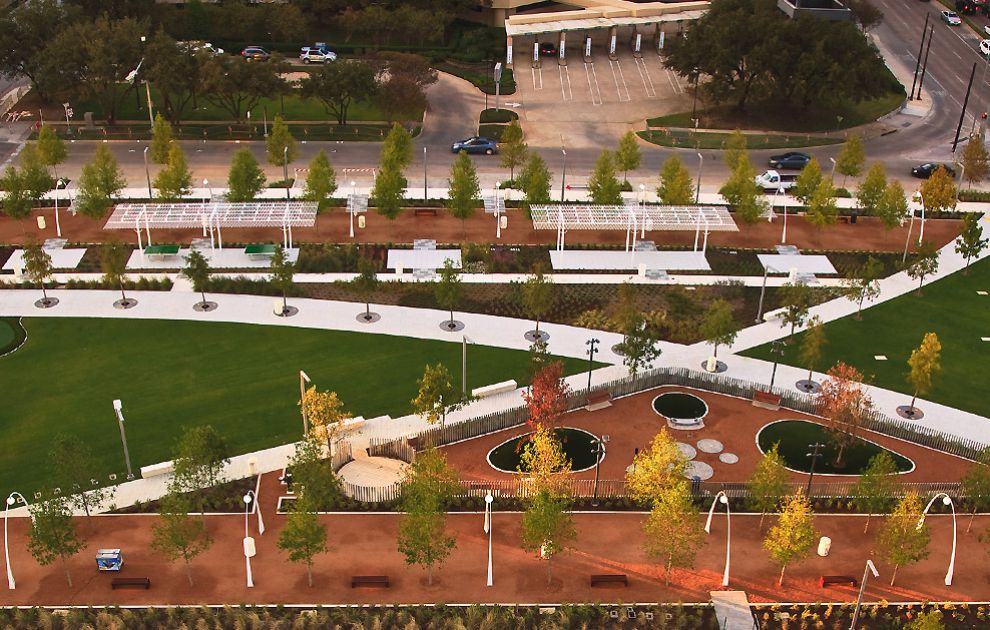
498 71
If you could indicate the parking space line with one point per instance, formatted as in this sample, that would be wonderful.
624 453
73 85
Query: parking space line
538 78
565 84
651 91
596 92
673 82
619 89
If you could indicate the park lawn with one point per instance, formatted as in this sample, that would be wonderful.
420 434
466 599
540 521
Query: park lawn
950 308
242 379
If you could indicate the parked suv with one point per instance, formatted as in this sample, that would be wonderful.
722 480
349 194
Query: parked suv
319 53
256 53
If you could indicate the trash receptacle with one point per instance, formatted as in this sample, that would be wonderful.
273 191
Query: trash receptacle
824 545
277 306
852 218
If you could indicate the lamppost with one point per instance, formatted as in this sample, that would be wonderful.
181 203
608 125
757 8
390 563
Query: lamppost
783 233
592 349
303 379
907 241
11 500
642 210
425 194
563 172
147 173
488 530
352 206
118 409
814 455
777 350
832 174
870 568
722 498
763 289
946 500
285 171
250 550
921 231
697 190
498 220
465 340
599 452
209 190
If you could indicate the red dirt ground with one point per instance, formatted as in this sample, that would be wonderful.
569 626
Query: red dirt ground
631 423
332 227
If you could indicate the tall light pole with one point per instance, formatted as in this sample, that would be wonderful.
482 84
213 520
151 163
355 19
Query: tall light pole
642 210
870 568
814 455
592 349
11 500
722 498
464 344
303 379
907 241
599 451
763 289
353 205
946 500
921 231
783 233
488 530
147 173
498 219
832 174
118 409
285 171
697 190
425 194
250 550
563 172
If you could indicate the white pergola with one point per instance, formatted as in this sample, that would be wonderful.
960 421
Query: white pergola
213 216
633 218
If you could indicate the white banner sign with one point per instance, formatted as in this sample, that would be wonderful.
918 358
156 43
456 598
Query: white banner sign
639 41
587 47
611 46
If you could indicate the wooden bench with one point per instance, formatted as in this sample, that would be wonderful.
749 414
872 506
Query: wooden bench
827 580
369 580
766 400
598 400
425 212
610 578
119 582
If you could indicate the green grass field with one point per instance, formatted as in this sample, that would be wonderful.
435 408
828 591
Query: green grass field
242 379
951 308
794 436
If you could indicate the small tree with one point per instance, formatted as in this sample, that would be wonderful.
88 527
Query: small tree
743 194
175 180
603 186
73 470
313 474
547 398
893 205
927 620
282 272
938 192
36 179
768 483
925 263
851 158
113 263
813 345
547 526
534 181
161 139
303 536
976 486
901 541
719 327
793 535
735 150
423 537
17 201
51 148
321 181
38 267
366 283
436 395
872 188
671 529
640 345
177 534
198 461
863 284
877 486
325 413
822 209
397 148
53 533
627 154
280 146
656 469
970 242
389 190
538 295
448 290
197 271
807 181
463 189
796 298
543 461
512 148
101 180
246 179
676 187
926 364
845 405
975 160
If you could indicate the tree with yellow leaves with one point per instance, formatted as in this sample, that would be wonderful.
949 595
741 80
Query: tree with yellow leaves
794 534
656 469
325 413
925 363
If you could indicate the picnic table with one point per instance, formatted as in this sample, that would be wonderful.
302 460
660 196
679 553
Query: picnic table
260 250
161 252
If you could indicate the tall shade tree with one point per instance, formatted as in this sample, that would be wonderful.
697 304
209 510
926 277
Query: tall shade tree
26 30
851 158
113 264
37 181
197 271
436 394
38 267
924 264
676 187
280 147
893 206
796 299
900 540
793 536
177 535
877 486
101 180
462 189
603 186
161 139
656 469
547 526
671 530
199 457
845 405
822 209
338 85
863 283
926 364
237 86
538 294
175 180
534 181
73 468
282 271
871 189
547 398
448 290
512 148
808 181
627 154
970 242
813 345
640 345
366 283
423 536
975 160
938 192
321 180
53 533
976 487
768 483
325 414
719 326
245 179
303 535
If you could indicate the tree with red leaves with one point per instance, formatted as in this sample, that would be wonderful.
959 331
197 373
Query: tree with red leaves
547 398
844 405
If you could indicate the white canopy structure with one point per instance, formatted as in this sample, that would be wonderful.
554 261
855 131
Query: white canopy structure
213 216
800 267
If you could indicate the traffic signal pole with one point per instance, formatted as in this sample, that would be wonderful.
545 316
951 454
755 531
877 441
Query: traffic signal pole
918 61
962 114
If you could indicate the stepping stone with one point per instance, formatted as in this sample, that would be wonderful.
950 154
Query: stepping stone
728 458
880 357
701 470
687 450
710 446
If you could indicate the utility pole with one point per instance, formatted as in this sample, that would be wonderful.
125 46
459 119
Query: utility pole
924 66
592 349
962 114
918 60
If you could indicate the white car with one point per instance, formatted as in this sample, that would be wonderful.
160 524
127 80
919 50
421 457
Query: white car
950 18
316 54
985 47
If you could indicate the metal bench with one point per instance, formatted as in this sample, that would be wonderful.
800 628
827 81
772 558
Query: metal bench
260 250
161 252
610 578
369 580
827 580
120 582
425 212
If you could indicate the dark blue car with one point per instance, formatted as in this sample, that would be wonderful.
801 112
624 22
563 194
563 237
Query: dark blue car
475 144
792 160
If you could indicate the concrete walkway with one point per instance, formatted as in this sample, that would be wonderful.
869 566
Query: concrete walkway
732 610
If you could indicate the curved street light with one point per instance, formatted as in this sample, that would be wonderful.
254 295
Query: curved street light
249 547
946 500
722 498
488 530
6 551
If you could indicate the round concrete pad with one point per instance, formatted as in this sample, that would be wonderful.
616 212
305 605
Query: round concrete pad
728 458
910 413
710 446
701 470
124 304
687 450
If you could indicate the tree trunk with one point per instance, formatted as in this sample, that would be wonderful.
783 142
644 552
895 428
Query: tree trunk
914 397
838 456
549 574
537 326
859 309
811 369
894 574
715 354
452 326
780 582
921 283
285 304
367 310
429 575
763 515
309 573
202 294
122 296
65 567
189 573
868 517
971 517
667 571
44 293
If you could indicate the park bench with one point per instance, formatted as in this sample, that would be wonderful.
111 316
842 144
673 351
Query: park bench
827 580
774 314
598 400
161 252
766 400
494 388
118 582
369 580
610 578
259 250
425 212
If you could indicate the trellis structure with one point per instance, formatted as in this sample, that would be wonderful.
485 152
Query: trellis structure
632 218
212 217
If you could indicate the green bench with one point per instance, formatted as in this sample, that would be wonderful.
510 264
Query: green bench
265 250
161 252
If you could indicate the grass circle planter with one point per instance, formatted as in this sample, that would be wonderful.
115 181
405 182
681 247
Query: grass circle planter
794 436
579 448
680 407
